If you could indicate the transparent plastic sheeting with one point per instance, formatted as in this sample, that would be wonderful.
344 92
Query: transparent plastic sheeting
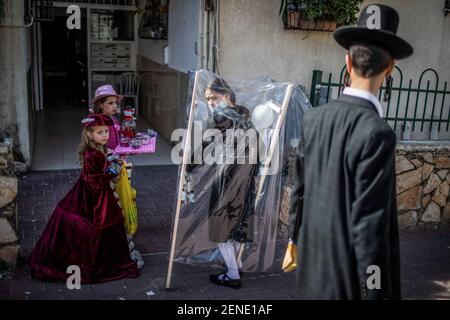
219 199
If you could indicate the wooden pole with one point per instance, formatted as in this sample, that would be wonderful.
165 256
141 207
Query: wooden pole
273 144
240 252
284 106
186 153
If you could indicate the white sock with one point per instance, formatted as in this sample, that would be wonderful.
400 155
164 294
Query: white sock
228 254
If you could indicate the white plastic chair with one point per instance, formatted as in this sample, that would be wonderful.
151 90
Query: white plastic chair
129 88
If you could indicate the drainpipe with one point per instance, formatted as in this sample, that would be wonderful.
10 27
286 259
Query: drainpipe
203 36
198 43
217 38
211 28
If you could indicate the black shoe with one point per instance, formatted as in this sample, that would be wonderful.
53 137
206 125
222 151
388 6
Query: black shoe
223 280
241 273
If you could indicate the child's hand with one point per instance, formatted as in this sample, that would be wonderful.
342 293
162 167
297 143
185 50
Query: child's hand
114 169
113 157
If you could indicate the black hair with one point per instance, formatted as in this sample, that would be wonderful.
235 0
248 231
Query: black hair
369 60
220 86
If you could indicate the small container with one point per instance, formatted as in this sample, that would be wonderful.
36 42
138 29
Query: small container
151 133
135 143
145 139
128 124
152 144
124 142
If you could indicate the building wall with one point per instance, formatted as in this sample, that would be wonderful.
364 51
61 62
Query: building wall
163 96
184 28
152 49
253 42
164 86
13 80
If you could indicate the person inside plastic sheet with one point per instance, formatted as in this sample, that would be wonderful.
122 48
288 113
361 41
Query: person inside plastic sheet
229 209
231 204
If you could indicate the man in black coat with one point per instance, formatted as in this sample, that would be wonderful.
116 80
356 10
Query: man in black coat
344 198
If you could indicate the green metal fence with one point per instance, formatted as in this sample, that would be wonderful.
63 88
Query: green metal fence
410 103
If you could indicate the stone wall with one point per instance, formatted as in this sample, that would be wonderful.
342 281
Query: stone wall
9 240
423 184
423 181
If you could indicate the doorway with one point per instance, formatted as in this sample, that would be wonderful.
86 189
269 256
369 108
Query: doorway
65 93
64 59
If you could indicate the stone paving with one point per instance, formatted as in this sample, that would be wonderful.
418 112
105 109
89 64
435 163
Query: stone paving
425 255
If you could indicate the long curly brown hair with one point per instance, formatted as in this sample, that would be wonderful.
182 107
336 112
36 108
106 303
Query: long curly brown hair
87 142
97 105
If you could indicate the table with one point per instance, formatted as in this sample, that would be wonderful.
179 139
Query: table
144 148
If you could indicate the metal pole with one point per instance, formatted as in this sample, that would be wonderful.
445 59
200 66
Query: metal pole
271 150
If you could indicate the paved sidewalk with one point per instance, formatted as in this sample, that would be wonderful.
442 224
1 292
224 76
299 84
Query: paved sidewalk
425 254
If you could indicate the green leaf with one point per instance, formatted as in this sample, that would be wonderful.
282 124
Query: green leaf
343 12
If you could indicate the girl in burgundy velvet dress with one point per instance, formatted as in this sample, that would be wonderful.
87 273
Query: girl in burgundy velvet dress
87 227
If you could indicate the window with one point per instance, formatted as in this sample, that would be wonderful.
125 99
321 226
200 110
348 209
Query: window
154 23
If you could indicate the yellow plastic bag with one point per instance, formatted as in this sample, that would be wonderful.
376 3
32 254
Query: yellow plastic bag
127 199
290 258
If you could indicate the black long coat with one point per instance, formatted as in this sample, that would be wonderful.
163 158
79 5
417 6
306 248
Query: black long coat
231 205
345 187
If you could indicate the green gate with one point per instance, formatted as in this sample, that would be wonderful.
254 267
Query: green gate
409 103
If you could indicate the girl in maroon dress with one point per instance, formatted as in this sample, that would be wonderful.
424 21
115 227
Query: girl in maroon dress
87 227
106 102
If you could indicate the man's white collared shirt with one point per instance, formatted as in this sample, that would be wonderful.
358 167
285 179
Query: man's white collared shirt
365 95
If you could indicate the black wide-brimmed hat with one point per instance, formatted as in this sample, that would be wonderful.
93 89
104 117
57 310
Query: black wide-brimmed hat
377 25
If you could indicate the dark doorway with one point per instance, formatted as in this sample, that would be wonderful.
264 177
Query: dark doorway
65 93
64 59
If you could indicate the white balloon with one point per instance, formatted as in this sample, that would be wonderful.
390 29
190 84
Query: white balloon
263 116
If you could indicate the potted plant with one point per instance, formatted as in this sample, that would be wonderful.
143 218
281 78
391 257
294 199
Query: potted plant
321 15
292 14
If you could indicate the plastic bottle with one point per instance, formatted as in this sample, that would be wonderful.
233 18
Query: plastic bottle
129 125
